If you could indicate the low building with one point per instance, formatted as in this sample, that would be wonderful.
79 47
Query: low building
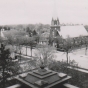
44 38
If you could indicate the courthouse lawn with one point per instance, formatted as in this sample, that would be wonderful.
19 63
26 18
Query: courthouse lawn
77 55
80 52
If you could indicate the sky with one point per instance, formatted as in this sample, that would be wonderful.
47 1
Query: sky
42 11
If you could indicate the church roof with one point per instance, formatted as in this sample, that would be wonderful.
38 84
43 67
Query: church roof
72 31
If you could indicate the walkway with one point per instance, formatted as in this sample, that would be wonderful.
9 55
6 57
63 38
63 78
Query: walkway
79 69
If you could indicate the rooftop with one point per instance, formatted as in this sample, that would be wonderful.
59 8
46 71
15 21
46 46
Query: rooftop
73 31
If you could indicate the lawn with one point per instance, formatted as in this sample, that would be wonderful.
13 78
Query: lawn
79 79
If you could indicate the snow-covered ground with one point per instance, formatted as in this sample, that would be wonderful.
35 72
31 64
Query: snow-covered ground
23 51
77 55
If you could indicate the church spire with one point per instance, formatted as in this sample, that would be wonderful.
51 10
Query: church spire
55 24
55 20
55 14
52 22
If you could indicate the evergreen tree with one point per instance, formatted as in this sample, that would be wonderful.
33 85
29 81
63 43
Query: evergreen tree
6 65
34 33
29 31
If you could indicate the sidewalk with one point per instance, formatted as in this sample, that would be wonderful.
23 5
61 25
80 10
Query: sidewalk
25 56
79 69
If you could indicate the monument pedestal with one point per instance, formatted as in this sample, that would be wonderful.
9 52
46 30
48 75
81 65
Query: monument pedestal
43 78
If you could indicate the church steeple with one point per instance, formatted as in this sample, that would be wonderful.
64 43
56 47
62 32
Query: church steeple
52 22
55 20
55 28
58 21
55 24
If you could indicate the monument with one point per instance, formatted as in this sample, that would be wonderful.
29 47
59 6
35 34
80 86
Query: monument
43 78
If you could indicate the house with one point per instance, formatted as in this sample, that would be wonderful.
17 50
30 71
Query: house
2 34
44 38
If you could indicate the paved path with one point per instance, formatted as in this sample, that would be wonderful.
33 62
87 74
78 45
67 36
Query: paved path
24 56
81 70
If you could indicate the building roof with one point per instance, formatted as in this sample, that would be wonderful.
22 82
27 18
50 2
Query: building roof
72 31
45 34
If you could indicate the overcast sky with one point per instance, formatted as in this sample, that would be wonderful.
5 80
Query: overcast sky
42 11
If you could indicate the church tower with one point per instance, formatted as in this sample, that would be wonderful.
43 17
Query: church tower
55 24
55 27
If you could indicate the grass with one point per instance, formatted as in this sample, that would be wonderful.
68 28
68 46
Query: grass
79 79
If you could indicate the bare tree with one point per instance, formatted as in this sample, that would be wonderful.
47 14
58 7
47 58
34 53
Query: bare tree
84 42
67 46
45 54
28 42
31 43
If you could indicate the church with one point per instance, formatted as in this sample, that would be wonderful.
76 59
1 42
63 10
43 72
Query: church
74 32
77 33
56 29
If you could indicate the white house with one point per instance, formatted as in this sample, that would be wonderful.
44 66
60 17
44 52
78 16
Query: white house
2 35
